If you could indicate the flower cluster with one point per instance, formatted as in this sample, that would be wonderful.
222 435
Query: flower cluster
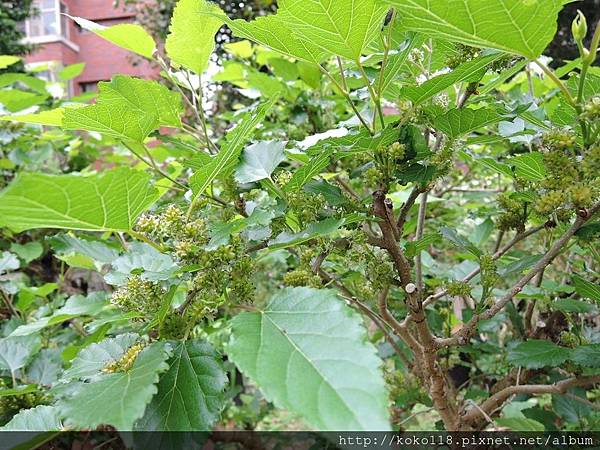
125 362
139 295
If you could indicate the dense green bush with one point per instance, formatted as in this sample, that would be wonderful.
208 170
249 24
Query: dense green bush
396 227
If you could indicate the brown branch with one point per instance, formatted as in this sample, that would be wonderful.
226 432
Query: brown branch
419 235
518 238
410 201
496 400
465 333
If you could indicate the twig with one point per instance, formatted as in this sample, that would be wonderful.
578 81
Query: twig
499 398
419 235
410 201
464 334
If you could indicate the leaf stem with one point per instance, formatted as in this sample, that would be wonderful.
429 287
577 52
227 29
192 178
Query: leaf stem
348 98
550 73
152 164
374 96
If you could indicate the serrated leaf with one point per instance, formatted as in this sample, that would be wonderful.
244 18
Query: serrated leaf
229 155
91 360
460 241
125 393
40 418
15 352
191 38
312 231
535 354
470 71
46 367
145 96
154 265
259 161
126 35
587 355
397 59
586 289
110 201
570 409
305 173
118 121
337 27
458 122
66 246
415 247
495 166
310 336
190 393
530 166
514 26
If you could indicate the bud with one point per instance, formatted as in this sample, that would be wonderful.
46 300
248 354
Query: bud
579 27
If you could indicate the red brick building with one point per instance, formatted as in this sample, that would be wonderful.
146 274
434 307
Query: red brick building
61 42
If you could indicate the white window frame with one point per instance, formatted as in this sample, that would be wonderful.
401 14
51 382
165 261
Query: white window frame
58 37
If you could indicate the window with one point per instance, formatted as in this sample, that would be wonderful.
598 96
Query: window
89 86
48 21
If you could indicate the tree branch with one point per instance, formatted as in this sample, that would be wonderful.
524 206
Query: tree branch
499 398
464 334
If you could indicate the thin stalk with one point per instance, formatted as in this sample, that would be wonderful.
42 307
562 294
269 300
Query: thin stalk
141 237
152 164
550 73
348 98
374 96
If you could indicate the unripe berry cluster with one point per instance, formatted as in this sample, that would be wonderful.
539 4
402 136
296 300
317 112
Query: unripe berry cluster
139 295
125 362
489 274
458 289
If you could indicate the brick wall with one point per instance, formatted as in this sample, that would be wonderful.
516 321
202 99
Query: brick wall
103 59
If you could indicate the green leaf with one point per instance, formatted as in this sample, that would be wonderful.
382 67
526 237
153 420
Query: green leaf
586 289
416 247
513 26
520 424
311 337
75 306
118 121
314 230
587 355
46 367
458 122
141 257
190 393
530 166
8 262
570 409
340 27
144 96
126 35
498 167
99 253
40 418
397 59
126 393
91 360
54 117
191 38
570 305
110 201
259 161
15 100
27 252
229 155
460 241
305 173
535 354
8 60
72 71
15 352
470 71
